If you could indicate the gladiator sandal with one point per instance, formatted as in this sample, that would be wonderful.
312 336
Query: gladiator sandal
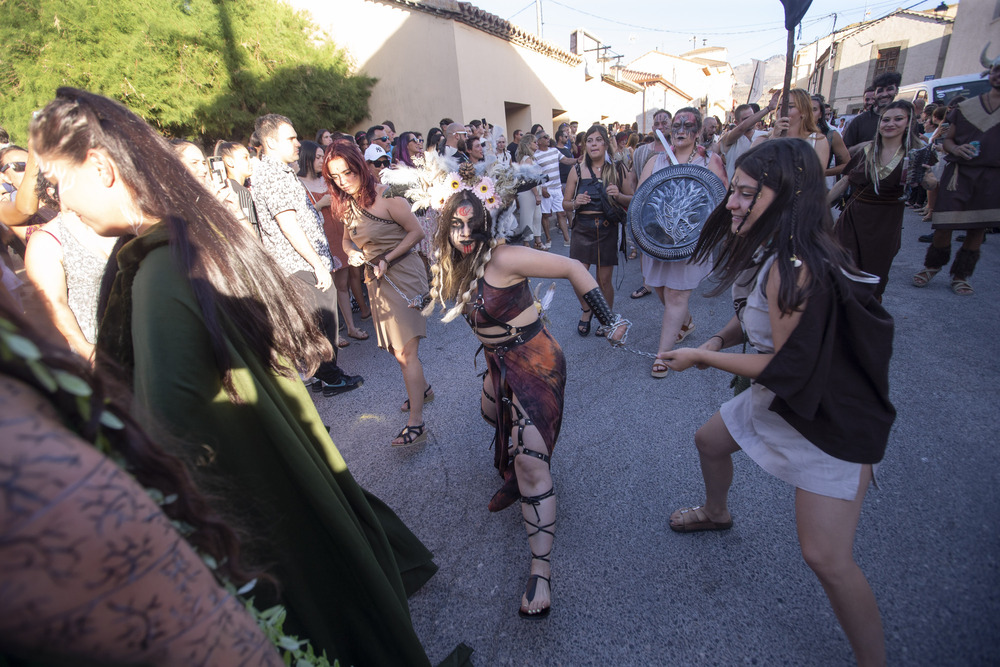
540 529
540 537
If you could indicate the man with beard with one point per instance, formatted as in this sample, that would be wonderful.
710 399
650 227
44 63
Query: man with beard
455 136
709 133
863 128
968 197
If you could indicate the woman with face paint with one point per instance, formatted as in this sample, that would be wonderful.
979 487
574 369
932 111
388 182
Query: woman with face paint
380 234
871 226
526 373
211 335
674 281
817 414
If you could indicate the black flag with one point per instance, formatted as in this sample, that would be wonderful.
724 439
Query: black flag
794 11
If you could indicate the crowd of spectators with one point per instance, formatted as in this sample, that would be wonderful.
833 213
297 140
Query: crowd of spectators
203 281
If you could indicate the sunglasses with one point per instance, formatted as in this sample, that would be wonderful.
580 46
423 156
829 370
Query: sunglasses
381 162
383 138
18 166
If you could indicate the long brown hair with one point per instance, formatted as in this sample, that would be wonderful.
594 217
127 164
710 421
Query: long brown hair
609 172
800 99
796 226
349 152
233 279
873 152
524 147
454 275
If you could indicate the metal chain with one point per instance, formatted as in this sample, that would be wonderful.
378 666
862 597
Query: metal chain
416 302
620 345
634 351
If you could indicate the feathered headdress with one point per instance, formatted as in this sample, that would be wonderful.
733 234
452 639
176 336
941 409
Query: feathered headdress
435 179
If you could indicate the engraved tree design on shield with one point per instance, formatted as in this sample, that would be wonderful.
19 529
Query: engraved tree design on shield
676 210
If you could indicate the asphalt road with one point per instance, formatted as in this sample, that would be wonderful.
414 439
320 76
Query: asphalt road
626 589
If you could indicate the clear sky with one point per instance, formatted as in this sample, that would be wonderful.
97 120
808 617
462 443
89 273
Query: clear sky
748 28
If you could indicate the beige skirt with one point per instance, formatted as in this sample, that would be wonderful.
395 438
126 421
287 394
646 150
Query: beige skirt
395 322
784 452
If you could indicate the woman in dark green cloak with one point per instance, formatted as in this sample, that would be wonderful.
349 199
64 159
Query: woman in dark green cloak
212 336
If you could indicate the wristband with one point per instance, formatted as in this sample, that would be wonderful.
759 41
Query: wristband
721 339
595 299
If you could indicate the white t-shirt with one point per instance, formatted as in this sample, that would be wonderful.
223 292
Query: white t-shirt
733 153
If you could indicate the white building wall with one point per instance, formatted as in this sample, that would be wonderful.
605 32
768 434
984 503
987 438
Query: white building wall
695 79
923 43
976 23
429 67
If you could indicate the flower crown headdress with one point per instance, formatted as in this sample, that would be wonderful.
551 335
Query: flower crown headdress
434 179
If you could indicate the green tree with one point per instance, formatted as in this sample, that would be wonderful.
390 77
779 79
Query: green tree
192 68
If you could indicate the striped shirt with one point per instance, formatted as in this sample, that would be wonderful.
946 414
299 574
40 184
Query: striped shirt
548 161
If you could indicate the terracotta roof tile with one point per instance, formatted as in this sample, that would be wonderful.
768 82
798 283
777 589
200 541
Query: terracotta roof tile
470 15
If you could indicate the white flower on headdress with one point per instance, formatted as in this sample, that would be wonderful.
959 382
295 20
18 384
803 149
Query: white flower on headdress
484 190
440 193
454 182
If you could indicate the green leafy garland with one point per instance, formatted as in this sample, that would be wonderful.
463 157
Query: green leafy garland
16 348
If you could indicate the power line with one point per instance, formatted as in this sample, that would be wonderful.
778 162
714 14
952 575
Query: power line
760 27
521 10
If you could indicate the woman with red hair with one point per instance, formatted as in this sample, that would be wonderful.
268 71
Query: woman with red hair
381 233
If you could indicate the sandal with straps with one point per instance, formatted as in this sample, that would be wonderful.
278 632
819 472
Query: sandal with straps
922 277
961 287
529 593
411 435
685 330
428 397
641 292
583 327
540 529
698 521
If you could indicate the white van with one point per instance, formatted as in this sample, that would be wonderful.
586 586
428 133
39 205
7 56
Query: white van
940 91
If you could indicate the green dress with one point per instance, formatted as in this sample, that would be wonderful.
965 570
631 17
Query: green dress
345 562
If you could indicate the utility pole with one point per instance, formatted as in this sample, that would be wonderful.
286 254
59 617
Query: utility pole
538 18
694 42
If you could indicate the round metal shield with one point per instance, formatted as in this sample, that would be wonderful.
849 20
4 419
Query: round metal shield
669 209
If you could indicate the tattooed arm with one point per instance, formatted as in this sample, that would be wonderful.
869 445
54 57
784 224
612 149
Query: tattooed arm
90 568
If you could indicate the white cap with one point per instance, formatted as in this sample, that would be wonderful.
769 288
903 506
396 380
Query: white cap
374 152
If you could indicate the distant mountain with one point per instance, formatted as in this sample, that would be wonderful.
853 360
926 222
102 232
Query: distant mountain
774 74
775 70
